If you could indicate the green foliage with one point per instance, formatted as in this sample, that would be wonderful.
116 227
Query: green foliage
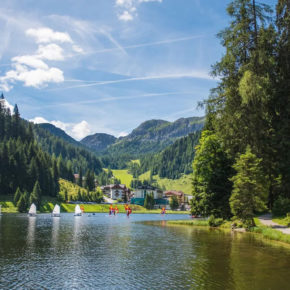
173 161
249 187
173 202
211 172
35 196
149 201
90 180
22 161
22 204
79 156
215 222
17 195
281 206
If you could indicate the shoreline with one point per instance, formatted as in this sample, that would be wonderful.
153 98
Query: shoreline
267 234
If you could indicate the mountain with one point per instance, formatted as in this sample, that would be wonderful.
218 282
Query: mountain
59 133
69 152
154 136
98 142
174 160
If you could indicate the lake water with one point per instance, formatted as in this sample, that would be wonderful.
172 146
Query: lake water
103 252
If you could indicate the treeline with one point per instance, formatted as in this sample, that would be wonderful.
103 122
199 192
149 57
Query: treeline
71 157
23 164
172 162
242 164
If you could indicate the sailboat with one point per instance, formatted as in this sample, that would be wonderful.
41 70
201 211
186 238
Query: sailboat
56 211
32 210
78 211
0 210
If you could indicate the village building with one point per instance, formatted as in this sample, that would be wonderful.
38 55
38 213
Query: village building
182 198
116 191
140 193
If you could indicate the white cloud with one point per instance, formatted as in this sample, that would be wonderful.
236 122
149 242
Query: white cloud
123 134
50 52
8 106
127 9
31 69
47 35
81 130
75 130
126 16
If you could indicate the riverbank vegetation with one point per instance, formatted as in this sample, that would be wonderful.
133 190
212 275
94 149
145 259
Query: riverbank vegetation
241 164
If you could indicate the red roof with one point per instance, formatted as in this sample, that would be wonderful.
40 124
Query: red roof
174 192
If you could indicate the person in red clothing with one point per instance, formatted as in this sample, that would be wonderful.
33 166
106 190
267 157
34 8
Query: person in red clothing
163 210
116 210
111 209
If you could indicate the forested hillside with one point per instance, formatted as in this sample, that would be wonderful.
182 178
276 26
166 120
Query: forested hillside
23 164
59 133
69 156
173 161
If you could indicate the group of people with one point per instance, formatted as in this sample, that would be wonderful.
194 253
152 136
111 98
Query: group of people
115 210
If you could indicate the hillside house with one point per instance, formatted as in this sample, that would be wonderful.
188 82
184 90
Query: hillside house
116 191
181 197
140 193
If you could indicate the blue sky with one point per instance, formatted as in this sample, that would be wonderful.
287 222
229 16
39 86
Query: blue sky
105 66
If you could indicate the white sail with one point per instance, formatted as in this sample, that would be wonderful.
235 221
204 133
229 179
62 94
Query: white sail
32 210
78 210
56 210
0 210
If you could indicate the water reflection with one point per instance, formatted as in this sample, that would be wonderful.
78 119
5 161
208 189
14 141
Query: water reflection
55 230
103 252
31 231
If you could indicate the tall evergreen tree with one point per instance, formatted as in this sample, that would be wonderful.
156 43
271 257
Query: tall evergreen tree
35 196
249 188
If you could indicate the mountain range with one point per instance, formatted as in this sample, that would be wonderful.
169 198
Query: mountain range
149 137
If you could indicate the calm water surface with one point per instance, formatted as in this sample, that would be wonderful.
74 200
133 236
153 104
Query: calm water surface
103 252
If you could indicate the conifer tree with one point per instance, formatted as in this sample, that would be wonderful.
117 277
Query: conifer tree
249 188
17 195
21 204
35 196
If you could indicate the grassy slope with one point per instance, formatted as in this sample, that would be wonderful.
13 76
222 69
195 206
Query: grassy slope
124 176
183 183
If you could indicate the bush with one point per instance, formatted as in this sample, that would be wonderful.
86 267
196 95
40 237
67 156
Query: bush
281 206
215 222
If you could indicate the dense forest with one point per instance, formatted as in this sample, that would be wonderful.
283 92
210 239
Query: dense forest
172 162
242 163
23 164
71 156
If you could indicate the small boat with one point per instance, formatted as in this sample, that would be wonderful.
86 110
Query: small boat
0 210
56 211
32 210
78 211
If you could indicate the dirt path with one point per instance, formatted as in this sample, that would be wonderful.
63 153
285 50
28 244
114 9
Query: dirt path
267 221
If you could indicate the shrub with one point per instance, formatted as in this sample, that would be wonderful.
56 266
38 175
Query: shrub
281 206
215 222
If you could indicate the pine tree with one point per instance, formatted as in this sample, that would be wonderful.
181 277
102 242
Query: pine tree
21 204
35 196
17 195
249 188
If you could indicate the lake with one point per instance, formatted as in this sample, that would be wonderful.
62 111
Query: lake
106 252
